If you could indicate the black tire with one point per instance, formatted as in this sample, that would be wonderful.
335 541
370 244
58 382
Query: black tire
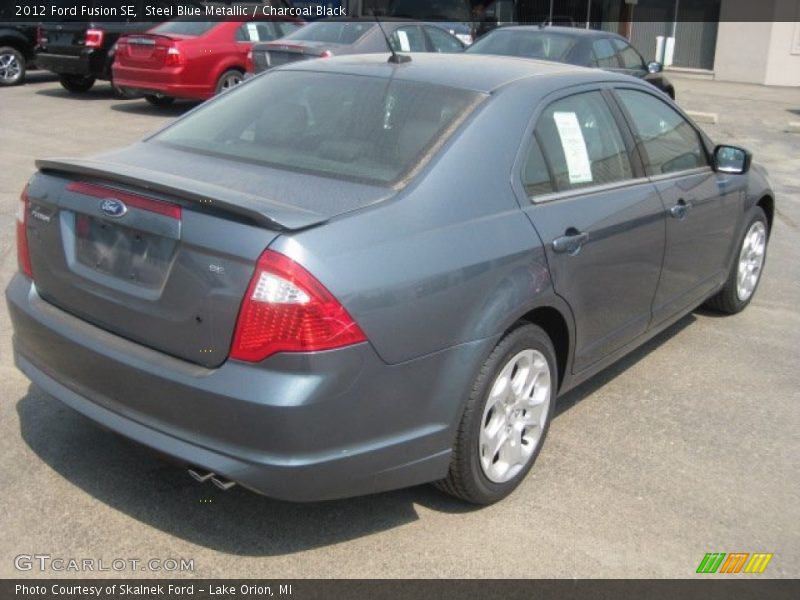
227 79
466 478
159 100
77 84
671 93
727 299
12 66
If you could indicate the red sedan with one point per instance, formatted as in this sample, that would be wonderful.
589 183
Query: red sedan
191 59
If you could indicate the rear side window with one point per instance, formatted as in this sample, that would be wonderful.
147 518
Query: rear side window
535 175
582 142
669 143
407 39
332 32
443 41
346 126
185 27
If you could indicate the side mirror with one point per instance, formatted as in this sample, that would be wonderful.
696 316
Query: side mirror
731 159
655 67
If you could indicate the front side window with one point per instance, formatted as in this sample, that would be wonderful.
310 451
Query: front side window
669 143
582 142
345 126
603 54
628 55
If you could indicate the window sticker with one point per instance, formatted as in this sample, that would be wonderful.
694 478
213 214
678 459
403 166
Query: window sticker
569 130
252 32
405 45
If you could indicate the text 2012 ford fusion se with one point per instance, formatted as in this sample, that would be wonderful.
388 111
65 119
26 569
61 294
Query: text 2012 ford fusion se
354 275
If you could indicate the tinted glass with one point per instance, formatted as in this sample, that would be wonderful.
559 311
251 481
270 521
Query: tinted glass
407 39
333 32
255 32
185 27
604 55
535 176
629 57
526 44
443 41
582 142
668 141
286 27
347 126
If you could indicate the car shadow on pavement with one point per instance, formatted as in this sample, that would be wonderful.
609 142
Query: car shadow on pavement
140 106
151 489
98 92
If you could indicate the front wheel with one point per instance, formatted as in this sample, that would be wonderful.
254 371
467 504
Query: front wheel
506 418
12 66
745 273
77 84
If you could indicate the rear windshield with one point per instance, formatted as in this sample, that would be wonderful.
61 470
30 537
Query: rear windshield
526 44
184 27
345 126
332 32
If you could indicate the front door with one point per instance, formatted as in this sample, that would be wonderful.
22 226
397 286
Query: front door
701 206
600 219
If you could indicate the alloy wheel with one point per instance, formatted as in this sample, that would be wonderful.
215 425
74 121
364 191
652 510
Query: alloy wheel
10 69
751 260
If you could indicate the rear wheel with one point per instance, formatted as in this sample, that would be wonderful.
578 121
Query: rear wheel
506 418
745 273
12 66
159 100
229 79
77 84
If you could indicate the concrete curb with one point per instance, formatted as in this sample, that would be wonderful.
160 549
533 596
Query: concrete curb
703 117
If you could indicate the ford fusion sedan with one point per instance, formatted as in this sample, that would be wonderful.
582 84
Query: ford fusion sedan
336 37
191 59
320 284
584 47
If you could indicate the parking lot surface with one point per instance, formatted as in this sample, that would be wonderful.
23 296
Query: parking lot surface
688 445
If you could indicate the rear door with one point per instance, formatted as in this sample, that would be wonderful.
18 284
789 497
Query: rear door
600 219
701 206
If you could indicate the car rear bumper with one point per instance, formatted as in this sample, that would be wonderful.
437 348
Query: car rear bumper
298 427
168 82
87 63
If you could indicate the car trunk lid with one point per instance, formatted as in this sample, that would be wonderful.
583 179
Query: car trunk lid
147 51
163 259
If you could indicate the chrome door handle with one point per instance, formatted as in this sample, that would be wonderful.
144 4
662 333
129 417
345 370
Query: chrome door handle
571 242
681 209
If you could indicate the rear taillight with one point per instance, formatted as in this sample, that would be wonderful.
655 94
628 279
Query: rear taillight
94 38
23 250
287 310
174 57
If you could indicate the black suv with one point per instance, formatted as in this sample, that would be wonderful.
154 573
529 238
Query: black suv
81 52
17 45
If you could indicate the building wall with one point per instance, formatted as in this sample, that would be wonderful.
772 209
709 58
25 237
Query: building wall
765 52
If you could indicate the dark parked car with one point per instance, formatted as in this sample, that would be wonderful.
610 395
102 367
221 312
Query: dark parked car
334 37
17 45
321 283
584 47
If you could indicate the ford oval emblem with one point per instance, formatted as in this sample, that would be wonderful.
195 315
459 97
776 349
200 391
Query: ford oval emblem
113 207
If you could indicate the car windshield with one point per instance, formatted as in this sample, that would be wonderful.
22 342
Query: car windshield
345 126
332 32
526 44
445 10
184 27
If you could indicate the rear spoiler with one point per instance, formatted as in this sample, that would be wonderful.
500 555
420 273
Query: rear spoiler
267 213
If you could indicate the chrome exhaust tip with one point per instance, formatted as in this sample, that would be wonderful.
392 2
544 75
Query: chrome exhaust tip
201 477
223 484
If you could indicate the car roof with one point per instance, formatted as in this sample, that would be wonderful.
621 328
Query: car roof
475 72
576 32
